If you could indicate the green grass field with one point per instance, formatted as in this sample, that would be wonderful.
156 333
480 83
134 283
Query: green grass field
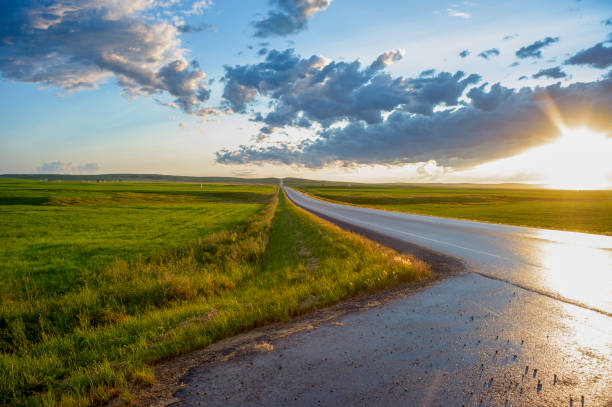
580 211
100 281
55 236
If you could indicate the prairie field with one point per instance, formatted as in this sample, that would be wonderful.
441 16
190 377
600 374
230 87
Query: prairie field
100 281
578 211
56 235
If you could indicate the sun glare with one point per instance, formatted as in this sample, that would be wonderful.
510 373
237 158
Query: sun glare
578 159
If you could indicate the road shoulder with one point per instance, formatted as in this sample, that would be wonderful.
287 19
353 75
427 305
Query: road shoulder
169 374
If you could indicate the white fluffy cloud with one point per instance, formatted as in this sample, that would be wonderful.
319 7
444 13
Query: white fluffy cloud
75 44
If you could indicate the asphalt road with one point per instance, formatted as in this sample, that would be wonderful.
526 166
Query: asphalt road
572 267
529 324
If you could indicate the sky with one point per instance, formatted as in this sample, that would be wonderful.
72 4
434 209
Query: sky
356 90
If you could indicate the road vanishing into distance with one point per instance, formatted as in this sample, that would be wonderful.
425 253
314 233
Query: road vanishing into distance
528 324
572 267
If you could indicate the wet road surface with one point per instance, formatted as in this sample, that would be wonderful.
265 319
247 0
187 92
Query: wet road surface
523 332
573 267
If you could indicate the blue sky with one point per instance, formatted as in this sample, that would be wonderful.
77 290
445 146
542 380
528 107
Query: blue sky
97 97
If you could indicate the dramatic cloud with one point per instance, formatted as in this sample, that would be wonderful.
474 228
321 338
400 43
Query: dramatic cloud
303 92
78 44
496 124
464 53
597 56
488 101
288 17
493 52
535 50
61 167
554 73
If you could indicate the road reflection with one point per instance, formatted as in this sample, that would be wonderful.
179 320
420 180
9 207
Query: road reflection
577 265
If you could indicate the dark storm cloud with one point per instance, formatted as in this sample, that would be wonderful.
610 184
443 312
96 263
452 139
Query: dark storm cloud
598 56
43 42
496 124
464 53
535 50
493 52
306 91
288 17
553 73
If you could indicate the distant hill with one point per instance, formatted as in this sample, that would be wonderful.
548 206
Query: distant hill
140 178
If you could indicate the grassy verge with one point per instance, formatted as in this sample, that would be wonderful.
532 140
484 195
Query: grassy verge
579 211
85 347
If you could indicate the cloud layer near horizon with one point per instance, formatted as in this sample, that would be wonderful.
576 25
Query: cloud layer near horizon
62 167
78 44
365 116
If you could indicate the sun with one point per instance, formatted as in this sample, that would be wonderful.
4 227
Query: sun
579 159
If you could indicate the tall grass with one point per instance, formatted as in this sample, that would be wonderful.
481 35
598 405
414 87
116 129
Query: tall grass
282 261
81 347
